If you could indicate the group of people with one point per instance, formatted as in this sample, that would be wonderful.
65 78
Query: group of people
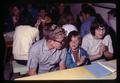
50 53
46 45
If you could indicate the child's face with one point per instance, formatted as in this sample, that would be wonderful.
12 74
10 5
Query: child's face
74 43
100 32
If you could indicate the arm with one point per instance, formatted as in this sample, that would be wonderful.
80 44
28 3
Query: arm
61 66
32 61
82 31
94 57
106 52
108 55
32 71
107 47
37 35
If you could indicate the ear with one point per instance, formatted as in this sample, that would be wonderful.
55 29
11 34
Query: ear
51 41
87 15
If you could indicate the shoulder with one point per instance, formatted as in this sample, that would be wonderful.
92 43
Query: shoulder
87 37
37 45
107 37
64 50
82 50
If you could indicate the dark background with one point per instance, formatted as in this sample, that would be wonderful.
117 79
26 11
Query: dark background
4 4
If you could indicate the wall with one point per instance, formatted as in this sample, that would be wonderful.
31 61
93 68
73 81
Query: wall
103 12
75 8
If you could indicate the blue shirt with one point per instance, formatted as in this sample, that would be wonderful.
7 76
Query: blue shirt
85 27
70 63
44 58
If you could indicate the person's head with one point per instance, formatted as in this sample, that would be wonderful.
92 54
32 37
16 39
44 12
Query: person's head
55 35
112 12
66 19
81 17
61 7
99 28
28 20
88 11
112 19
42 12
74 40
15 10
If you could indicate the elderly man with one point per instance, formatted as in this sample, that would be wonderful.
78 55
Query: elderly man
47 54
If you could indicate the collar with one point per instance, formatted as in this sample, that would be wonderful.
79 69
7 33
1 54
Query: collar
45 46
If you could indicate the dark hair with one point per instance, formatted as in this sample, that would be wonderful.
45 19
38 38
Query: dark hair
27 20
98 22
112 12
87 9
72 34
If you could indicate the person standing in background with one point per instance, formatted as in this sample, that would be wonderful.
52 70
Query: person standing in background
112 19
88 14
13 19
113 29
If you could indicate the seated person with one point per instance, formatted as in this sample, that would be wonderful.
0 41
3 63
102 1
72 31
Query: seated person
25 35
98 43
76 56
47 54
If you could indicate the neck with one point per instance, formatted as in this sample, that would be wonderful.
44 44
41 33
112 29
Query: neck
76 49
96 38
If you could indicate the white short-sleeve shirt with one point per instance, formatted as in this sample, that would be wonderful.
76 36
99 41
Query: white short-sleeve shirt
23 38
91 44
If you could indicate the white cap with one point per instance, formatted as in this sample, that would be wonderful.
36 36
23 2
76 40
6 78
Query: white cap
68 28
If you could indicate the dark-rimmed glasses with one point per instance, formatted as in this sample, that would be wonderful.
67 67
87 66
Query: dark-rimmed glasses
61 42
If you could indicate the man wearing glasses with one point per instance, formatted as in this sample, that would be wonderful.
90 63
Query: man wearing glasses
48 54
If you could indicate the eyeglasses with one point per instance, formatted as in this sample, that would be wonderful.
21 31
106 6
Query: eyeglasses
61 42
100 29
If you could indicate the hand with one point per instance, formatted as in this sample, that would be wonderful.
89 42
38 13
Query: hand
103 47
38 23
14 20
81 60
99 54
32 71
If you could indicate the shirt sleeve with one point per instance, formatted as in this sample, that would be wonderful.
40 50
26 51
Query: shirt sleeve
33 58
37 35
85 44
108 42
63 56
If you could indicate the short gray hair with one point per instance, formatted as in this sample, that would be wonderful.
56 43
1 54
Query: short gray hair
53 32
